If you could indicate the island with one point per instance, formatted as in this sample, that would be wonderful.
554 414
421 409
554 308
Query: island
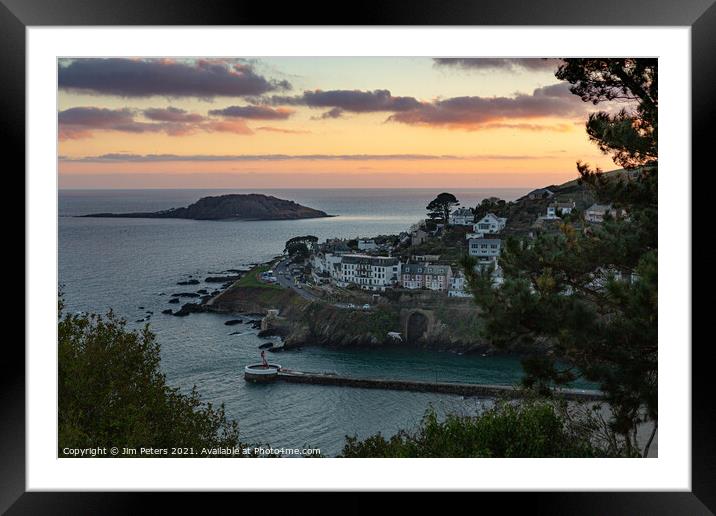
230 207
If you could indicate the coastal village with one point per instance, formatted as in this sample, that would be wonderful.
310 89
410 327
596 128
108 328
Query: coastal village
427 256
475 307
408 288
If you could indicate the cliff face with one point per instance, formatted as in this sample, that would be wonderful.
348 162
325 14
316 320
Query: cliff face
448 326
231 206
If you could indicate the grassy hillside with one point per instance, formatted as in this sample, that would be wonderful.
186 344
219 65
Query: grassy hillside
251 279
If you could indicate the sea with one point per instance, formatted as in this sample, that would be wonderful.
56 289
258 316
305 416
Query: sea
132 266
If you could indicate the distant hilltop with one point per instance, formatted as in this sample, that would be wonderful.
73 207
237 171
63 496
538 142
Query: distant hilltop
228 207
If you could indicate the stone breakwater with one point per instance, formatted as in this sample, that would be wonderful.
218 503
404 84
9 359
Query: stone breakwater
464 389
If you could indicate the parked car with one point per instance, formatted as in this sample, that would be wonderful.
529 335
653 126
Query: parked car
351 305
366 306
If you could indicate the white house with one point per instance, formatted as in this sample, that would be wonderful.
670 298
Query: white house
365 244
326 267
462 217
426 275
457 286
490 223
318 263
557 209
486 249
369 272
333 265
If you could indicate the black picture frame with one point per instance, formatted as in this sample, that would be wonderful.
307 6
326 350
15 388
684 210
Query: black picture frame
700 15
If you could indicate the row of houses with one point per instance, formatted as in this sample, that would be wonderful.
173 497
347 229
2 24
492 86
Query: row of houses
426 275
595 214
490 223
335 263
381 272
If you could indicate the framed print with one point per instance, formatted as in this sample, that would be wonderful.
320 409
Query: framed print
380 241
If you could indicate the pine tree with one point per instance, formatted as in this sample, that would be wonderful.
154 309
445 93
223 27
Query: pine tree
440 207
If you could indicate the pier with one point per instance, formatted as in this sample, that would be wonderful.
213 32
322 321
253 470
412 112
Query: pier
464 389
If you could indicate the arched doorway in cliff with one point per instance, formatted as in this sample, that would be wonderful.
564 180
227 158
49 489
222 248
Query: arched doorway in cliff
416 327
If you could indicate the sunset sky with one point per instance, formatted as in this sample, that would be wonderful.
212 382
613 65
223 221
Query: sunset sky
300 122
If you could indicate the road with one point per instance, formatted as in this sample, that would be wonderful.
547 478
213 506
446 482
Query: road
285 280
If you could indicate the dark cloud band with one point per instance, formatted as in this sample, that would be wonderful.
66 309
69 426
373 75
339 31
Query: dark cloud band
351 101
83 122
253 112
475 112
203 78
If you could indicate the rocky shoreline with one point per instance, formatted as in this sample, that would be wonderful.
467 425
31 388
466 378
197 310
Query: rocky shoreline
297 322
302 323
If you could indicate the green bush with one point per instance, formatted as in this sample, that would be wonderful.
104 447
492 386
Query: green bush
509 429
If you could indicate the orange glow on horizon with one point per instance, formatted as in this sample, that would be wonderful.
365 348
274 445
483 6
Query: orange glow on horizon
502 151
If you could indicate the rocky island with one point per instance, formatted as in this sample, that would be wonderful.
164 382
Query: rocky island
228 207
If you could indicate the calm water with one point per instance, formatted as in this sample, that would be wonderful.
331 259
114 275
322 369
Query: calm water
127 263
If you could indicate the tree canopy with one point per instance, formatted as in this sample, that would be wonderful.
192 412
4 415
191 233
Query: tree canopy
441 206
297 251
631 134
299 248
494 205
589 295
309 240
111 392
523 429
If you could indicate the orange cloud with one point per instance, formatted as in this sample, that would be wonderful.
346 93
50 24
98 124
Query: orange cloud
282 130
227 126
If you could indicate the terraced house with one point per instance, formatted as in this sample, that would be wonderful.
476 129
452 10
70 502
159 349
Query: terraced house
369 272
427 276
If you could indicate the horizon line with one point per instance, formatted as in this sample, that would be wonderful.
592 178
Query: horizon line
302 188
